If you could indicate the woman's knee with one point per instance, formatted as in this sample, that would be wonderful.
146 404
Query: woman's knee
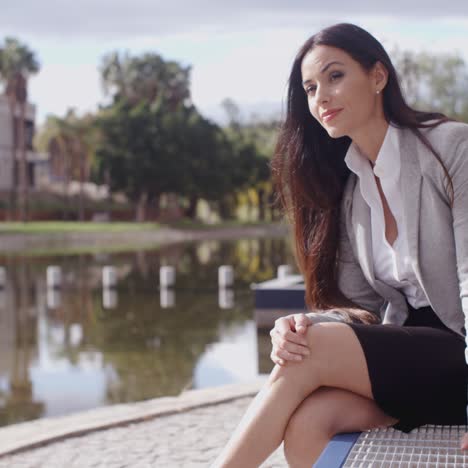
317 413
322 340
336 360
329 411
323 336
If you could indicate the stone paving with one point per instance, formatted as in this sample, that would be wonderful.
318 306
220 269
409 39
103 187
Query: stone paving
192 438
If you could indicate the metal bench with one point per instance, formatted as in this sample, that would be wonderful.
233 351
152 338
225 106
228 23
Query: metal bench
425 447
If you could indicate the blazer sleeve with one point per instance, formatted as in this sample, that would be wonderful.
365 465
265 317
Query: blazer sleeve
351 282
459 175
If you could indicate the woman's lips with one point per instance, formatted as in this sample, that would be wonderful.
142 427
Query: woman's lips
328 117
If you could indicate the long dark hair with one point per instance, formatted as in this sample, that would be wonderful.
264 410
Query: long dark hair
310 173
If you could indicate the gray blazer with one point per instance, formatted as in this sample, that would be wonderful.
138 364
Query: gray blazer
437 233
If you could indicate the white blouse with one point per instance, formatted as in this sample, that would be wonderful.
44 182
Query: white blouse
391 263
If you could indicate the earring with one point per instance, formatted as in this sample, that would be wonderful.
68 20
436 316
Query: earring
378 91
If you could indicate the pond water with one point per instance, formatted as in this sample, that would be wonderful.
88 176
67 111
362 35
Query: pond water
81 347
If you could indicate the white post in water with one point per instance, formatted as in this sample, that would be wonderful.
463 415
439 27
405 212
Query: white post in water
110 298
109 277
225 276
54 277
54 298
166 276
284 271
166 298
225 298
2 277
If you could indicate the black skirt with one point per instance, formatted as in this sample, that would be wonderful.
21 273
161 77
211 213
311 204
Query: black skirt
417 371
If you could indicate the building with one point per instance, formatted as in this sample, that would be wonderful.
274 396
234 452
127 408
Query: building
7 136
49 173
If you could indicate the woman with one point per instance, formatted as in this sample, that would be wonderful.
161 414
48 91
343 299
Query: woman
377 194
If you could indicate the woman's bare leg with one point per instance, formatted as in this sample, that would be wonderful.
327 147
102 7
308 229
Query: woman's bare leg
323 414
336 360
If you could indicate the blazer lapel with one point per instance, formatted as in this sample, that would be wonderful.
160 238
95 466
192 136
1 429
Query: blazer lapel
410 180
362 229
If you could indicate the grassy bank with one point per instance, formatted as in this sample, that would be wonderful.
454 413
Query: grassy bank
188 224
63 251
63 227
59 227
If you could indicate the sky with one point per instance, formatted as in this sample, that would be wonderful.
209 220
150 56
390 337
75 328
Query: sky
239 49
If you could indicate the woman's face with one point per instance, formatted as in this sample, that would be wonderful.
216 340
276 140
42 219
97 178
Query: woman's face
341 95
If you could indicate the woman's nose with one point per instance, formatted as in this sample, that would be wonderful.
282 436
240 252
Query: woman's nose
322 95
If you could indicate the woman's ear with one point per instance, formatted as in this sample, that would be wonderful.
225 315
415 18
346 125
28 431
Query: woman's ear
380 75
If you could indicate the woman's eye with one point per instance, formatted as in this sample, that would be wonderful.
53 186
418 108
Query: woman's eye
310 90
335 75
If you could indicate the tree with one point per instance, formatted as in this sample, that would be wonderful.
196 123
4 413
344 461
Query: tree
83 137
154 141
434 82
145 78
132 151
233 114
54 138
254 142
17 63
204 159
148 96
263 134
70 141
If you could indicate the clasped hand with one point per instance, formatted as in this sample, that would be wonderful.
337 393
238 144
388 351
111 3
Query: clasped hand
288 339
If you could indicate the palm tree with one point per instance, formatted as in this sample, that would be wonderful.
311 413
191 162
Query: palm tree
70 141
17 63
83 135
117 76
146 78
54 138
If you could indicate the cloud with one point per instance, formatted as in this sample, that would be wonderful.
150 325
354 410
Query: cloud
241 49
58 87
125 18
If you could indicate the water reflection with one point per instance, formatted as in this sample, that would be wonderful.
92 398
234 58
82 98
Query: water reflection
82 346
167 298
225 298
110 298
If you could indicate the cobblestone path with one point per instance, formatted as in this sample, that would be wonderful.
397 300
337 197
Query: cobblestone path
190 439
